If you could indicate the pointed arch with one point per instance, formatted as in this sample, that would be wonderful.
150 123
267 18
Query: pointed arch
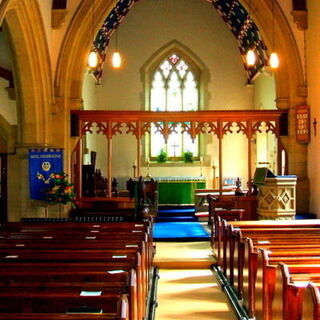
194 60
289 78
32 70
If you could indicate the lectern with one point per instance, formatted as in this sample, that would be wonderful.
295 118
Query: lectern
276 196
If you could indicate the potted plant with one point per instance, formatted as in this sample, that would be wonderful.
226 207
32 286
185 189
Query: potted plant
188 157
162 156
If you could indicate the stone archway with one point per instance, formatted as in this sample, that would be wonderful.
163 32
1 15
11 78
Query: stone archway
35 100
32 69
289 78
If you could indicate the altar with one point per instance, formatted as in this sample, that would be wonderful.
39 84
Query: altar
178 190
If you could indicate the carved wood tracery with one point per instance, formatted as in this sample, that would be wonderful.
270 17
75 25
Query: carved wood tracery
138 123
268 125
234 126
193 128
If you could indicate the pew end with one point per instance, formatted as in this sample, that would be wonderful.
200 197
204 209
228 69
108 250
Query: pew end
311 303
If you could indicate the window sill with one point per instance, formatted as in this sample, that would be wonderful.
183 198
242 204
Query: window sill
174 164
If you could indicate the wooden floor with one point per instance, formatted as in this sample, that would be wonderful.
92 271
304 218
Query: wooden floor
186 292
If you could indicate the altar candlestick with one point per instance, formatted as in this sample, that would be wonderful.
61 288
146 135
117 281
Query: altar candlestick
148 168
201 165
214 175
134 169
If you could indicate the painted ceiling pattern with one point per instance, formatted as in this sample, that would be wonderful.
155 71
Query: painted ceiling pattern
232 12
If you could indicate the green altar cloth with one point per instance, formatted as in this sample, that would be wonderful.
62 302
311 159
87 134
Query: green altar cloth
178 190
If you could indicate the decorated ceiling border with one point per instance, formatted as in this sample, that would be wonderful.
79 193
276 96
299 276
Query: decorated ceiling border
245 31
232 12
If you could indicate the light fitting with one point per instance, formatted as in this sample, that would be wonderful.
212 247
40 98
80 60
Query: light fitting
116 60
93 58
250 58
116 57
274 60
250 55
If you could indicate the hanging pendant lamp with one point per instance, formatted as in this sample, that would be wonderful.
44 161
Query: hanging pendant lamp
93 57
250 58
250 55
273 59
116 57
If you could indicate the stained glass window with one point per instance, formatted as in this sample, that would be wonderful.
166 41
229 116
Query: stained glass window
174 87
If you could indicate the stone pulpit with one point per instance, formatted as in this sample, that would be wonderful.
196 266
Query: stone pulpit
276 196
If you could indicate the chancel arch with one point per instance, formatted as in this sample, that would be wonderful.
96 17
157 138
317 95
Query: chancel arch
288 79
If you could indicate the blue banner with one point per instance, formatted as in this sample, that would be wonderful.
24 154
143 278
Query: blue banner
42 164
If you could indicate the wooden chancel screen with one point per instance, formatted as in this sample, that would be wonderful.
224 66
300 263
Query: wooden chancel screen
138 124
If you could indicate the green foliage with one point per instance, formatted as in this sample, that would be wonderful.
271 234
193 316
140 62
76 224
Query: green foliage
60 190
162 156
188 157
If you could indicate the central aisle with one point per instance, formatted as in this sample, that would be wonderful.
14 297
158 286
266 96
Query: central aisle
187 288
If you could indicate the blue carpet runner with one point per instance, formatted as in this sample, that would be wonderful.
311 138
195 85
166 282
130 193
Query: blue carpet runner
305 216
180 231
178 223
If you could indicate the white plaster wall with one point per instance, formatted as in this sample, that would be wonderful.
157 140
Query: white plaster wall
196 24
148 27
264 91
313 67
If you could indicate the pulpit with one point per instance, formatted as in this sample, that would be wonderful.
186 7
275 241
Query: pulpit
276 197
178 190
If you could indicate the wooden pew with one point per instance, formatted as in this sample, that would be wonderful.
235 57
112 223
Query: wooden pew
261 300
227 215
56 300
311 303
222 229
229 234
310 231
15 259
290 287
59 316
244 272
234 237
93 282
56 240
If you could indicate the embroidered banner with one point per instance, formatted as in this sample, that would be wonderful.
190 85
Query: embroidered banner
42 163
303 124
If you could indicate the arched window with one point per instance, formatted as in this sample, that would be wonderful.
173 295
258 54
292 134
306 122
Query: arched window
174 87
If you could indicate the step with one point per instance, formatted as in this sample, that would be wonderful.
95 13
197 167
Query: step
176 219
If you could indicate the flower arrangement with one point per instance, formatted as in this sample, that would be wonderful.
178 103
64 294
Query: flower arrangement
162 156
60 190
188 157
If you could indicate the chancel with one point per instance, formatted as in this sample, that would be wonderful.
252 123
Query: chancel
158 158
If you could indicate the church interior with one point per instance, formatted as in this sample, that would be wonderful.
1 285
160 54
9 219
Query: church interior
123 123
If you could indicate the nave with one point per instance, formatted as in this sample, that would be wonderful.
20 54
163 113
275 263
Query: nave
54 270
187 288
